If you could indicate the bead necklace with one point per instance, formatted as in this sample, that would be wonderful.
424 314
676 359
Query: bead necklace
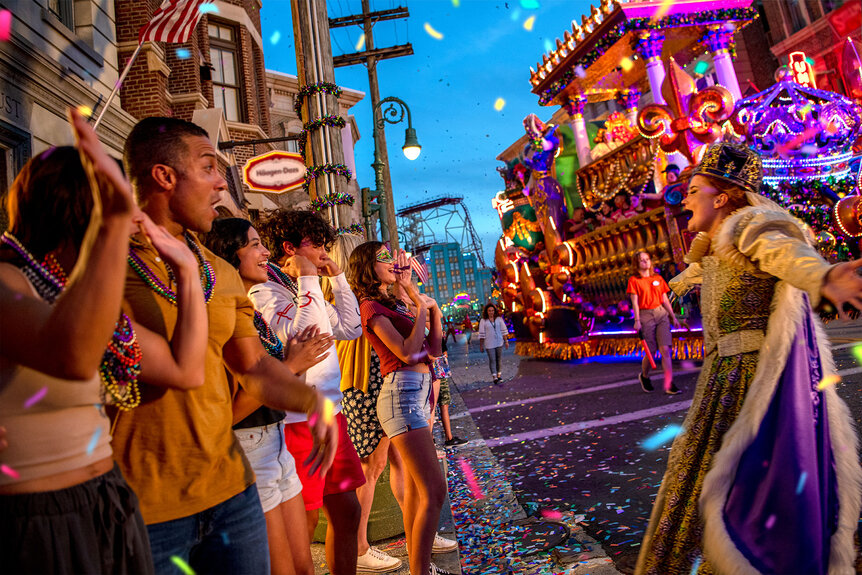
275 274
268 338
121 362
207 272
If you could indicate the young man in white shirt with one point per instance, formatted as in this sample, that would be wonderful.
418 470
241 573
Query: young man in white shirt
291 301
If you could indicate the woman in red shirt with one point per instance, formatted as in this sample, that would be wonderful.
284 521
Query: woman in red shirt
397 335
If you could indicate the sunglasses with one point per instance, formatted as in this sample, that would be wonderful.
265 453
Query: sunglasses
385 256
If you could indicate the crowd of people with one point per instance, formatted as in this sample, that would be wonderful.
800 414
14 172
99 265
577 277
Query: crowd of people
236 397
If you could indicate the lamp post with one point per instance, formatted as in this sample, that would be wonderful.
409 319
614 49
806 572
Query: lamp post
411 149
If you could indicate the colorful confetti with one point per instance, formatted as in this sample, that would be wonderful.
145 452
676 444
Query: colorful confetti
360 44
183 53
85 111
626 64
662 437
470 478
36 397
276 36
178 561
432 32
857 353
499 103
208 8
828 381
551 514
5 25
801 485
530 4
94 440
9 471
456 3
528 23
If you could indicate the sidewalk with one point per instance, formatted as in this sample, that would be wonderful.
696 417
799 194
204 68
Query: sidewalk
483 503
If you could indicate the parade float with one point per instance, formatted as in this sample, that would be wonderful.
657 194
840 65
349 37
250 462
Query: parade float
564 282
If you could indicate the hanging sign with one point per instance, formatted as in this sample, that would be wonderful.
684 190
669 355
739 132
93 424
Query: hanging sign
802 71
274 172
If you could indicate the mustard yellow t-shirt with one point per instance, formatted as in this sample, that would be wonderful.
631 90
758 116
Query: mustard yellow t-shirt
177 449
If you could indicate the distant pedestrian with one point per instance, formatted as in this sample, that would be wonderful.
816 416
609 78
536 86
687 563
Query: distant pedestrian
467 327
653 315
493 335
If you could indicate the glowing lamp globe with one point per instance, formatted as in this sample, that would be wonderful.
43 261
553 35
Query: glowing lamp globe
411 147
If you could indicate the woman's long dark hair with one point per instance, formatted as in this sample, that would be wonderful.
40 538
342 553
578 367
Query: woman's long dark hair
50 202
226 238
361 277
486 308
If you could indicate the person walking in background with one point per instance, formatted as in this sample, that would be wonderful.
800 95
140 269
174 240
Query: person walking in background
260 429
467 328
398 337
653 314
493 335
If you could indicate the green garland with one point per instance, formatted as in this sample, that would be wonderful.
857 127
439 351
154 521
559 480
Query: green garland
611 38
311 89
332 121
332 200
313 172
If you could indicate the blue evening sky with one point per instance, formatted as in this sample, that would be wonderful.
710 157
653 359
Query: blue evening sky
450 84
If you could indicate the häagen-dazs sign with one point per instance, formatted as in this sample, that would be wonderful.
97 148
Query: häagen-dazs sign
274 172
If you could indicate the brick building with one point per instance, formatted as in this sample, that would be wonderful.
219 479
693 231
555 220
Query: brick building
64 53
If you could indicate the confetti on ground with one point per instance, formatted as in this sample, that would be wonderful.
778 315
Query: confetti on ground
276 36
208 8
530 4
183 566
770 521
701 67
801 485
626 64
85 111
551 514
5 25
432 32
36 397
94 440
827 381
9 471
183 53
857 353
470 478
528 23
662 437
499 103
360 44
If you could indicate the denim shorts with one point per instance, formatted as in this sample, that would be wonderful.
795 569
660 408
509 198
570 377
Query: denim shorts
273 465
404 402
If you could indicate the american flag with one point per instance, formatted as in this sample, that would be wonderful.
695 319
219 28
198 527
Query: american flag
173 22
417 264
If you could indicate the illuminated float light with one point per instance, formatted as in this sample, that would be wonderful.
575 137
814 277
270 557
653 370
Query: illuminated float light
808 162
774 181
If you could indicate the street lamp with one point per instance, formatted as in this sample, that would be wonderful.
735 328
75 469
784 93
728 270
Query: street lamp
411 149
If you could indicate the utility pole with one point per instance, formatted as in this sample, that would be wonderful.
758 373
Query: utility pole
370 56
314 65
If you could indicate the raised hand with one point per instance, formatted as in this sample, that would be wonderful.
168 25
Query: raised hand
329 268
308 348
324 430
298 266
112 192
403 271
843 284
174 251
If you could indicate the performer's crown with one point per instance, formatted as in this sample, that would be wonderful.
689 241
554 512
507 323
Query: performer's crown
735 163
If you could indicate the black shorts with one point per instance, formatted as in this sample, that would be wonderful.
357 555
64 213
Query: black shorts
95 527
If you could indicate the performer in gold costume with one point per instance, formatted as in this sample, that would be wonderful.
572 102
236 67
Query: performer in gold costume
764 477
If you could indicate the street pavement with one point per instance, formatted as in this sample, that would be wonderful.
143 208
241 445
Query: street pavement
565 440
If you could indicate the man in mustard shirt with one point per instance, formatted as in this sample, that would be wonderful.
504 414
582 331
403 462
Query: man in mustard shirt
177 449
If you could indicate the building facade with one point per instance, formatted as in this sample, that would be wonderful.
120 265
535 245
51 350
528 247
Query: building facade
452 273
70 53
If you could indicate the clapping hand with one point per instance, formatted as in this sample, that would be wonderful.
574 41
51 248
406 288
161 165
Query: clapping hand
306 349
324 431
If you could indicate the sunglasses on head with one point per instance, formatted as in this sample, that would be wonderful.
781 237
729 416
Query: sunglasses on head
385 256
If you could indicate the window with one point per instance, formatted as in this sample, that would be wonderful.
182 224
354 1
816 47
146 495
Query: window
797 18
226 74
64 10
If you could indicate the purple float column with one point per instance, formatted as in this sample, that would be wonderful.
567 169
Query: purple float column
649 45
718 39
575 109
628 101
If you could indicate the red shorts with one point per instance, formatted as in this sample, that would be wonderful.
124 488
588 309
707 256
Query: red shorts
344 475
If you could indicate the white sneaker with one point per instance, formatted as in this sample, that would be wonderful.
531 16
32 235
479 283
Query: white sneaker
439 571
376 561
443 545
